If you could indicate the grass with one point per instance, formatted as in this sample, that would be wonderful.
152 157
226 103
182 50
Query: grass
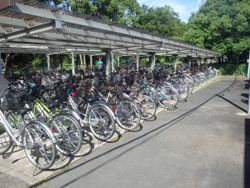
205 85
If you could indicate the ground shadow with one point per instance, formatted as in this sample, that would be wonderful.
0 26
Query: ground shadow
151 119
10 152
245 95
116 137
183 101
87 143
137 129
61 162
247 154
245 98
232 103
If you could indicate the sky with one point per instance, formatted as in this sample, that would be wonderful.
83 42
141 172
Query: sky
183 7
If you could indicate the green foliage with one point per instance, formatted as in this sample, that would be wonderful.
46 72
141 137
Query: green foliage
223 26
163 21
124 12
235 69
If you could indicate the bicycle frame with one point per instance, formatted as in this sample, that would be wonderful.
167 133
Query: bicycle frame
82 121
76 112
10 130
42 109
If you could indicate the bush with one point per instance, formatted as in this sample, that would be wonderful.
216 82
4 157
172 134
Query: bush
232 69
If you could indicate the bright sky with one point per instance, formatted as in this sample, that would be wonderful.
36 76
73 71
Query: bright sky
183 7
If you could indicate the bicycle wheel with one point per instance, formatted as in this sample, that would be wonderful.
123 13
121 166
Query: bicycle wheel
146 105
39 145
172 97
183 91
5 140
101 122
127 115
190 84
68 134
197 81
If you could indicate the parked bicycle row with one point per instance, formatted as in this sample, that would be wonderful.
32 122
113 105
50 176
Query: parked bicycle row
49 113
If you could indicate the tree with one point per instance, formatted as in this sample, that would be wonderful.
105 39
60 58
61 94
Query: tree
163 21
223 26
124 12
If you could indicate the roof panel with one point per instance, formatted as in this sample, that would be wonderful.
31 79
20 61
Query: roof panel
27 23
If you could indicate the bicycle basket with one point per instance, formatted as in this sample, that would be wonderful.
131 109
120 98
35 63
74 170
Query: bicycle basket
46 81
13 100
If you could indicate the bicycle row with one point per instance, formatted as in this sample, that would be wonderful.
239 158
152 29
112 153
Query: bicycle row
49 113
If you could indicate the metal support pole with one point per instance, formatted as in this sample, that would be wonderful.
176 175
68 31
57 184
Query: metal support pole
248 98
175 65
152 61
118 61
48 62
1 62
137 61
248 71
248 75
73 63
190 63
211 60
108 67
91 62
112 62
199 62
202 61
175 62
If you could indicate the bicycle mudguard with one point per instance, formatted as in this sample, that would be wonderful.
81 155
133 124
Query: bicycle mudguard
67 111
44 126
104 106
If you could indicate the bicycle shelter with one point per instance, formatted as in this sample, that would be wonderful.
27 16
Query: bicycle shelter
37 28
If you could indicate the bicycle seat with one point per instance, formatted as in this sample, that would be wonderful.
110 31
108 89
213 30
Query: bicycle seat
54 104
110 88
90 99
24 110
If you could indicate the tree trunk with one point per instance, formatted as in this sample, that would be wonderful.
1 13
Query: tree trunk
5 63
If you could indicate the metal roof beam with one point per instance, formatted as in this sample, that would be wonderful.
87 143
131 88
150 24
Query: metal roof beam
86 40
30 31
100 35
2 30
13 22
179 52
57 43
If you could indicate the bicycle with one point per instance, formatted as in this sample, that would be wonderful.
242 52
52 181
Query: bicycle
33 136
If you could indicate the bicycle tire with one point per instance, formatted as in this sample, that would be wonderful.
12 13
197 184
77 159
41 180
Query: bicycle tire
35 150
5 140
68 136
123 118
172 96
101 122
146 105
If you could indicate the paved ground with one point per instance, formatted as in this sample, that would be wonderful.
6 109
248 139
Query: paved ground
200 145
11 182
